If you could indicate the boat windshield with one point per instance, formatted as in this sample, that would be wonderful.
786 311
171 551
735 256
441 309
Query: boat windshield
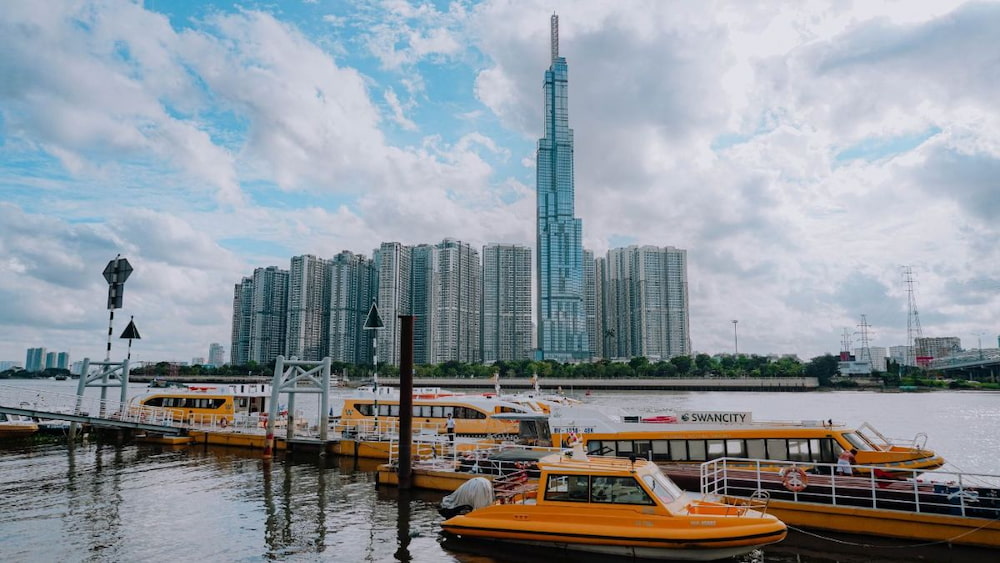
858 442
665 489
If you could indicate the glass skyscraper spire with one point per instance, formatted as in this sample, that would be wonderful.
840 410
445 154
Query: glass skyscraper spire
562 320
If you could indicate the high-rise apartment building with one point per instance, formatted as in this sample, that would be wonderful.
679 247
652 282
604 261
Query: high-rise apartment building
239 354
307 327
562 318
446 294
51 360
216 354
35 359
62 360
647 302
392 264
506 324
352 291
938 347
269 311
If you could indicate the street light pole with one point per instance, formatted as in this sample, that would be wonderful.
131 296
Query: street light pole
736 340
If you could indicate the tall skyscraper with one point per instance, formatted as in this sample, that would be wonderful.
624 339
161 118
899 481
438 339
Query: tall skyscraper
352 290
51 360
269 311
446 294
62 360
35 359
308 315
216 354
506 325
562 318
392 262
239 354
647 303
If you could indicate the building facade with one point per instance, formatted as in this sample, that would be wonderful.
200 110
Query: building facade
392 264
647 303
216 354
269 310
506 324
352 291
239 353
307 330
562 317
35 359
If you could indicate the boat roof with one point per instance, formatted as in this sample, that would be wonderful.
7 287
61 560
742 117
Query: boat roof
594 464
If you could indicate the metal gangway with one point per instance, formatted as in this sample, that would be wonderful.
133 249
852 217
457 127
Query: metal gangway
96 412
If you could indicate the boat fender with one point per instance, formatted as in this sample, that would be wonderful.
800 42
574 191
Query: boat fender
794 479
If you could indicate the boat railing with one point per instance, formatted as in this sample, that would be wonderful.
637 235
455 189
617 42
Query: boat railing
384 430
56 404
871 486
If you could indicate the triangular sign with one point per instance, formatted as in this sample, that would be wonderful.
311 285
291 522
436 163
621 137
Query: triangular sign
374 320
131 332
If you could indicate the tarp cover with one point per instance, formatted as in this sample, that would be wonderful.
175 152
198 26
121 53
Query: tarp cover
476 493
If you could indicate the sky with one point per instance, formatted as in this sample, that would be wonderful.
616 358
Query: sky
803 153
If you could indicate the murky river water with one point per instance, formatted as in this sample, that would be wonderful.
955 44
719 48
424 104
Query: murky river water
128 502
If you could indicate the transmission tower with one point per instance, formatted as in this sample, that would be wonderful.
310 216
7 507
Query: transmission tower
866 351
913 332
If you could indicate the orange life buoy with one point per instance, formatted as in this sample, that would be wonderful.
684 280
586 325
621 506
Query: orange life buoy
794 479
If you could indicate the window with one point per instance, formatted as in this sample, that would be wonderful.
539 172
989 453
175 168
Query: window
624 448
798 450
756 449
568 488
394 410
777 449
660 450
662 487
678 450
716 449
696 450
734 448
642 449
619 490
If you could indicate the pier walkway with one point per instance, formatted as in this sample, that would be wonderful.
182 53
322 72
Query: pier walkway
86 410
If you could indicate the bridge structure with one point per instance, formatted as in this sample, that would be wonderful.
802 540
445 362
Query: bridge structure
93 411
975 365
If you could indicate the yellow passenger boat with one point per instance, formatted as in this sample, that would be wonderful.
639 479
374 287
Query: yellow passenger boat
698 436
621 507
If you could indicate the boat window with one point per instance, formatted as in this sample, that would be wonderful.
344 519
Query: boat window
383 410
756 449
665 489
826 451
393 410
696 450
678 450
595 447
716 449
363 410
660 450
619 490
568 488
154 402
437 411
777 449
857 441
798 450
734 448
643 449
624 448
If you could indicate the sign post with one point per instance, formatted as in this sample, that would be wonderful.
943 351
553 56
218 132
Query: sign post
374 323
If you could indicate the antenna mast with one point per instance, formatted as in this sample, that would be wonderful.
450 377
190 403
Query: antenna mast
913 332
555 37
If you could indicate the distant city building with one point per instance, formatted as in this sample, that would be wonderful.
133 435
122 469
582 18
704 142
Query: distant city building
647 302
562 315
35 359
9 364
51 360
76 368
877 355
938 347
446 294
352 290
198 361
216 354
601 334
851 368
239 353
62 360
268 314
392 264
308 321
900 355
590 303
506 325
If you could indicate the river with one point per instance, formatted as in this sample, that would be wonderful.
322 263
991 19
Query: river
140 502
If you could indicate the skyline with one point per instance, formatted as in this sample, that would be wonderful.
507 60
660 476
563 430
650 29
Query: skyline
801 155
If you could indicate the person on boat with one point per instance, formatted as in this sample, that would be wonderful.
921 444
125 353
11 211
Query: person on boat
450 427
845 461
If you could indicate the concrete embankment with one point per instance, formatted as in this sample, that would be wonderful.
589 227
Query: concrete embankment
661 384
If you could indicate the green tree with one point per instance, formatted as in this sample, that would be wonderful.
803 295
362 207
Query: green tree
823 368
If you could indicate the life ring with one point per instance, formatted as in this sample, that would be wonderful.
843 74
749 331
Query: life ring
224 422
794 479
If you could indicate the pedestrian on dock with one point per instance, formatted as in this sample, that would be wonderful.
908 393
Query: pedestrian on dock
450 427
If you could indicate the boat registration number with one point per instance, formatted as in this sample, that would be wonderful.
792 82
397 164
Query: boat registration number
573 429
702 522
